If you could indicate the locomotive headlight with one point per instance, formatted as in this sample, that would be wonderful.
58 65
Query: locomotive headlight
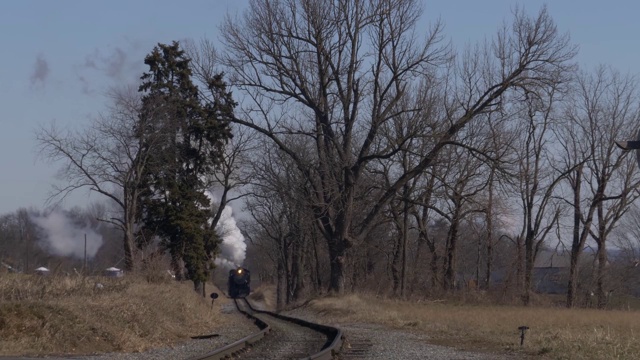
239 271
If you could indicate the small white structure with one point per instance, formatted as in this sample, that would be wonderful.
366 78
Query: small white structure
113 272
42 271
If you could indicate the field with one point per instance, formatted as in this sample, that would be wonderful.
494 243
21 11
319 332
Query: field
72 315
75 315
554 332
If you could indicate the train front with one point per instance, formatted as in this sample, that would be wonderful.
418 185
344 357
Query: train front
239 282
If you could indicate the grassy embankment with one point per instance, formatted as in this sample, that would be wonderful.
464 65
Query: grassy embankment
45 315
555 332
71 315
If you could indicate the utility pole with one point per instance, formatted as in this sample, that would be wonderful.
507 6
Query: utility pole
24 237
26 249
84 266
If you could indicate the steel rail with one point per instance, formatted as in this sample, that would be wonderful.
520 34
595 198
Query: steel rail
334 335
330 349
237 346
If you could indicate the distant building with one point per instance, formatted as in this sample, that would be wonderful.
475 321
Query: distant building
551 272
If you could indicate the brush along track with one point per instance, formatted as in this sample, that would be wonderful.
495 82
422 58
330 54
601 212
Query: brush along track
280 337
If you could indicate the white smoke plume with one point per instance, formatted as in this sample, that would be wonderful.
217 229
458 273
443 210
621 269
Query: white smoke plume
63 237
233 247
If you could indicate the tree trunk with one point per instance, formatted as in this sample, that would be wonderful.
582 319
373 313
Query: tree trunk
416 269
600 280
281 287
318 273
198 286
576 246
572 287
128 226
178 268
405 235
338 255
435 269
487 278
356 273
395 264
129 248
478 258
528 269
602 258
519 264
449 282
297 270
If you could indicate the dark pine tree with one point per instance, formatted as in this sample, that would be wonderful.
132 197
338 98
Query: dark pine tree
193 134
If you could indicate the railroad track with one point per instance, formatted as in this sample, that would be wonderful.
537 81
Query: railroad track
280 337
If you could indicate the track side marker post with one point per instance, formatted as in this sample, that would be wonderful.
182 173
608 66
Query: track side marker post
523 330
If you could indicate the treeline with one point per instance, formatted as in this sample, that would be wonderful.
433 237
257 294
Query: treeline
372 154
391 161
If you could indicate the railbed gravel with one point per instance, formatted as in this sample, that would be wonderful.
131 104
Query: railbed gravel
377 342
285 341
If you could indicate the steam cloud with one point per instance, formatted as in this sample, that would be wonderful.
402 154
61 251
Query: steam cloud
112 64
121 64
233 247
64 237
40 71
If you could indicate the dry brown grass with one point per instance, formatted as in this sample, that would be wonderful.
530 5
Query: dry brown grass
264 296
44 315
555 333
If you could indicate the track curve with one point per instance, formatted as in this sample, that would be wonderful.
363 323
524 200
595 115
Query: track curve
288 338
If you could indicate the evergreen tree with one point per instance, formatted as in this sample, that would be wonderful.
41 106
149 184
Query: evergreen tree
174 205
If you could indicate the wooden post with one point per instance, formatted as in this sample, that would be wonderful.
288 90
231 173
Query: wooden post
84 266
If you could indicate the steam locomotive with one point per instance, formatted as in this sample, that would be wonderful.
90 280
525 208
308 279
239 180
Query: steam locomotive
239 283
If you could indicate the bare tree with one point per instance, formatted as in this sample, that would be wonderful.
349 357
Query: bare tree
463 180
280 220
628 234
502 139
627 239
232 174
402 133
106 158
18 238
537 179
576 150
606 108
335 72
424 220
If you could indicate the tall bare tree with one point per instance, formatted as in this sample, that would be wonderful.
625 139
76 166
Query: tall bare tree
537 179
606 107
280 222
463 181
233 173
502 139
335 72
424 220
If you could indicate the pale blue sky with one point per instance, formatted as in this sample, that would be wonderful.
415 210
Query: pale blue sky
59 57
